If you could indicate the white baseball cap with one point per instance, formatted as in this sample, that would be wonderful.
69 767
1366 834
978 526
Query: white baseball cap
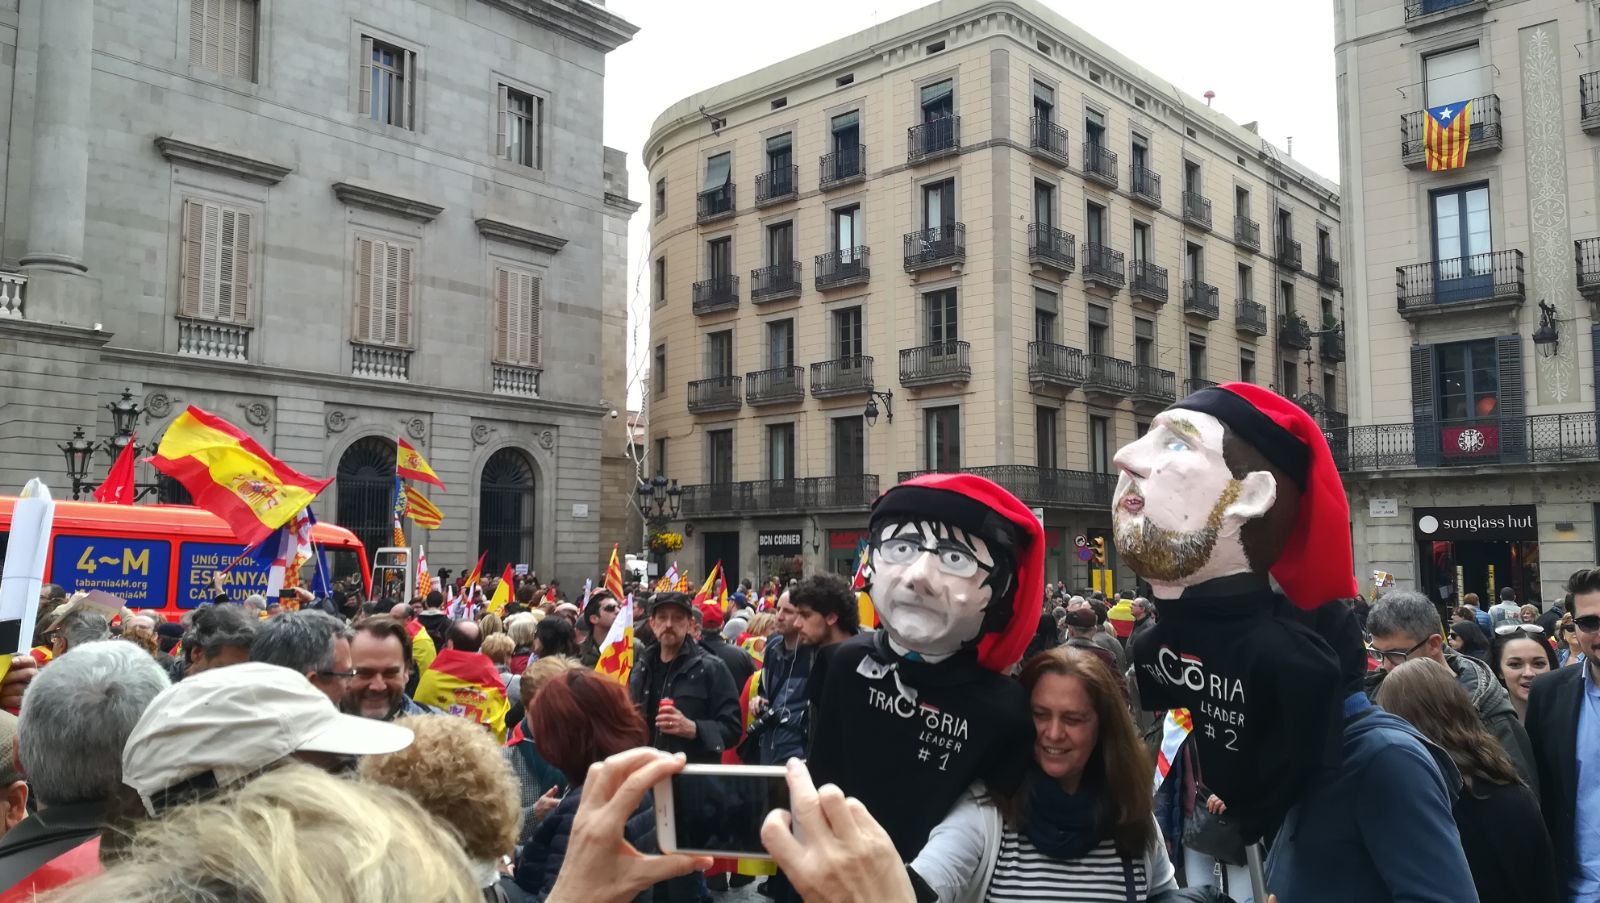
236 720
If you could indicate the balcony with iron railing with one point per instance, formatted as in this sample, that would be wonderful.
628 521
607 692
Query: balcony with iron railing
1488 281
1148 281
844 167
1050 364
1475 442
1294 331
937 247
1483 131
1103 266
383 362
1422 12
1046 487
775 185
936 138
1153 386
1587 251
1331 345
1107 376
1328 271
1048 140
779 385
716 393
12 288
717 294
1144 185
1051 247
837 269
212 340
842 376
1200 299
800 494
519 381
775 282
1247 232
715 204
1250 317
1589 101
1288 254
1197 210
1192 385
1100 163
935 364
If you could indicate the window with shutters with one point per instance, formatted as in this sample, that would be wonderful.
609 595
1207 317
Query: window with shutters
521 127
385 285
222 36
516 317
217 255
388 83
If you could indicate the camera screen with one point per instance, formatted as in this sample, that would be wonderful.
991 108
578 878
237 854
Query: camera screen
723 813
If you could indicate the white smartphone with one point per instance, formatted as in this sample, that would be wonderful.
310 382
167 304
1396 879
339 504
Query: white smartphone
717 810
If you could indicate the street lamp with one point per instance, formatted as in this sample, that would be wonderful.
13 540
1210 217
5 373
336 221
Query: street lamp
871 412
1547 338
79 450
659 502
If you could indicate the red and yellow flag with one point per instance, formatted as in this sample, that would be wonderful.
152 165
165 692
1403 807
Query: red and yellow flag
868 614
419 509
502 592
467 685
616 656
1445 135
614 575
410 465
477 571
708 592
232 476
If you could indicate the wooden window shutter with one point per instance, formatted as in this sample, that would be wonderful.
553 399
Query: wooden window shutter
1513 400
408 89
227 35
1424 424
535 328
403 295
365 106
388 302
222 308
502 314
242 252
193 259
503 136
197 31
364 294
244 61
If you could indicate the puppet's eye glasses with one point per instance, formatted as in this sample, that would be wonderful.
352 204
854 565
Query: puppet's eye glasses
953 558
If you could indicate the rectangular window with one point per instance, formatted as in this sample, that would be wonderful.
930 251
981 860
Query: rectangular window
780 244
1291 379
719 457
780 343
1094 127
218 247
385 283
849 446
780 153
1044 103
846 131
1468 381
719 171
516 315
780 451
938 101
1139 155
719 353
1192 182
658 369
939 206
1099 329
719 258
1286 297
847 231
1094 223
521 125
1197 357
1099 444
940 317
847 335
1324 244
942 438
1194 264
1144 342
1247 365
661 456
222 36
1141 241
1241 202
661 196
388 83
1460 235
1330 389
1247 282
1046 307
1044 437
1328 319
1285 225
1453 76
1044 204
660 280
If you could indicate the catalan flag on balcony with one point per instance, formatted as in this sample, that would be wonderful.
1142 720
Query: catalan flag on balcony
1445 134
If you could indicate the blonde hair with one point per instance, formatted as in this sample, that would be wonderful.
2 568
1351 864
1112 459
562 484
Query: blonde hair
521 628
143 637
491 624
1529 609
295 833
455 771
763 625
498 647
539 673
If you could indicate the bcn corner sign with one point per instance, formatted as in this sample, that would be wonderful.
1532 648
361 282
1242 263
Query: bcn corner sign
1507 523
778 542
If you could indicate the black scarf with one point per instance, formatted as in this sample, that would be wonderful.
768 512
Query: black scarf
1062 825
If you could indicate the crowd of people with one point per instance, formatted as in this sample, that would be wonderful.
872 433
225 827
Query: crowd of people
428 749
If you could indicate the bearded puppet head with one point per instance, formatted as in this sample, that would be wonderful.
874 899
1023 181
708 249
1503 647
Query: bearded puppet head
1234 479
956 562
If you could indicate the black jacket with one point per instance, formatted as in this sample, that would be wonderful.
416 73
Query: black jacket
540 860
1507 846
699 684
1553 707
46 834
737 660
436 623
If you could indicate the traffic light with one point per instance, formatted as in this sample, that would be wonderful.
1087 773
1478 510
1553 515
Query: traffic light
1099 551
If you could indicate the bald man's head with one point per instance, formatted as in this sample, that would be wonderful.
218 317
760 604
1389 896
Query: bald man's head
463 636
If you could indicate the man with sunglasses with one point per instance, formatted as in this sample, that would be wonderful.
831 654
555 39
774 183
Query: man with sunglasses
1564 723
597 618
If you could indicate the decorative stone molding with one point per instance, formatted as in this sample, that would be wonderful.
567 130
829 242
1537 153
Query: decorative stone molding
157 405
416 427
250 169
337 421
384 202
511 233
587 23
547 440
481 432
256 413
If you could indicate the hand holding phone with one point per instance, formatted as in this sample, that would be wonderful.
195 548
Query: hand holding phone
831 847
717 810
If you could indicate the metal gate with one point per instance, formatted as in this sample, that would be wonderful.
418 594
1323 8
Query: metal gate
506 497
366 491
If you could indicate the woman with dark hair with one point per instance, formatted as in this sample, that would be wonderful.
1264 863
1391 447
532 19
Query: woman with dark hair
1080 826
555 636
580 718
1467 639
1519 654
1048 636
1502 832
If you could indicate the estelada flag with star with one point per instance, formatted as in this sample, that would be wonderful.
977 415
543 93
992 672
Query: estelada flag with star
232 476
1445 136
616 654
410 465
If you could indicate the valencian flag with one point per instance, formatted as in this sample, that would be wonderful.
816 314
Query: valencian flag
232 476
614 574
1175 729
410 465
1444 136
861 584
502 592
467 685
419 509
616 655
399 512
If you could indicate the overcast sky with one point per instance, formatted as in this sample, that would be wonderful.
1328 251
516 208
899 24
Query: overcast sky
1267 60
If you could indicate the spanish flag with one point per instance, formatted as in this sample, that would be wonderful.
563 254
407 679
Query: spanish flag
421 510
614 575
471 583
708 592
861 584
232 476
467 685
502 592
410 465
616 656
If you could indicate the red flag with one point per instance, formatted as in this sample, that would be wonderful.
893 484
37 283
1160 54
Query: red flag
118 489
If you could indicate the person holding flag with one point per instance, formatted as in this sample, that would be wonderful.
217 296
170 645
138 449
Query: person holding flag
502 591
462 681
616 653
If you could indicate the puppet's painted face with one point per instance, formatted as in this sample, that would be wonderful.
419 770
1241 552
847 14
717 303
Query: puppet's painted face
930 585
1178 509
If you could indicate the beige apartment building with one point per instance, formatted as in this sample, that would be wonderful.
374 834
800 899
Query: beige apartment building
1471 458
974 238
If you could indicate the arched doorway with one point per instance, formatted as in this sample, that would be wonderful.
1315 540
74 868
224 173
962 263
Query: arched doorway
366 491
506 498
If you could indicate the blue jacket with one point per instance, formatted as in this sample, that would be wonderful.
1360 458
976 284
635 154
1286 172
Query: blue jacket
1378 827
540 860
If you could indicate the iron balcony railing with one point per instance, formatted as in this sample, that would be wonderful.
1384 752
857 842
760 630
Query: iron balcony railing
1423 288
1250 316
1144 185
1289 253
1148 281
1196 209
775 282
844 165
1154 384
1417 9
939 246
777 184
1589 100
718 293
716 393
1247 232
940 362
1587 251
803 494
716 203
1192 385
1047 139
1200 299
1052 247
1057 365
780 384
1108 375
1294 332
1328 271
1541 439
1045 486
933 139
1483 132
843 267
1099 163
1102 264
1331 345
842 376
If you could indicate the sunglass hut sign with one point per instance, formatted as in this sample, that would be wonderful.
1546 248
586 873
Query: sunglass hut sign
1503 522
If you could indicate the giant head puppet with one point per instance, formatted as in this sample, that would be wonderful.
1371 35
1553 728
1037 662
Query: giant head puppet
910 715
1232 488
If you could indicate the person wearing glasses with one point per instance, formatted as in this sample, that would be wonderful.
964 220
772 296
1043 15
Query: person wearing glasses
1569 651
380 656
1518 656
1405 625
1564 722
313 643
597 618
